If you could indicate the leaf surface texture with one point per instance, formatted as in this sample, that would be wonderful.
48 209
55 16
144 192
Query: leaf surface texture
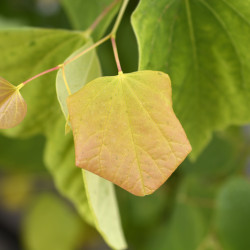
13 108
204 46
125 130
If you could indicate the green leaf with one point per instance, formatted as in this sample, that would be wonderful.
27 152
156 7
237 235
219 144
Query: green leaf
50 224
82 13
100 193
59 157
125 130
97 204
204 46
27 52
78 72
104 208
36 51
233 214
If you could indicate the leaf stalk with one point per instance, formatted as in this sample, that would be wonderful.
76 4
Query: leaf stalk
42 73
119 18
111 36
118 64
102 15
104 39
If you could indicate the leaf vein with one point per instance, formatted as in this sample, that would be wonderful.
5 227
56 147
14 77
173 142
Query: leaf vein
132 138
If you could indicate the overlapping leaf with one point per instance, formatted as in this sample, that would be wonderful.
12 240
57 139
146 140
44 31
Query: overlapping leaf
77 73
34 51
125 130
13 108
204 46
93 197
100 193
59 158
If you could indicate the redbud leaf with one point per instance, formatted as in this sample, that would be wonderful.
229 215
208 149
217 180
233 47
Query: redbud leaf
41 49
204 46
99 193
77 73
13 108
125 130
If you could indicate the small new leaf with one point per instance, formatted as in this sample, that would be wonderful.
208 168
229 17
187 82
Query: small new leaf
13 108
125 130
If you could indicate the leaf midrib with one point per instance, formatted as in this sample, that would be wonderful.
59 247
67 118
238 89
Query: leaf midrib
132 138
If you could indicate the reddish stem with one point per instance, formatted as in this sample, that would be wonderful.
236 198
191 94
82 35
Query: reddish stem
103 14
116 54
42 73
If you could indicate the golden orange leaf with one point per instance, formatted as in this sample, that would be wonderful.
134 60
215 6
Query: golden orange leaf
13 108
125 130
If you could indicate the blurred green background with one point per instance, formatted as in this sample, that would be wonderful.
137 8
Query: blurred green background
205 205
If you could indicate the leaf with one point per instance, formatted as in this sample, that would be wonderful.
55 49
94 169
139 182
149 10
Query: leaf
91 9
50 224
204 46
126 131
43 49
233 214
104 208
78 72
100 193
13 108
91 203
34 51
59 157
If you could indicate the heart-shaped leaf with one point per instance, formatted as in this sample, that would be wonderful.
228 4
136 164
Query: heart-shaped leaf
13 108
125 130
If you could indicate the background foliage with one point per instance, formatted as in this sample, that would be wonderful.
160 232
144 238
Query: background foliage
205 204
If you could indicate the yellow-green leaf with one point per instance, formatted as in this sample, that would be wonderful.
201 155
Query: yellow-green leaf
13 108
125 130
